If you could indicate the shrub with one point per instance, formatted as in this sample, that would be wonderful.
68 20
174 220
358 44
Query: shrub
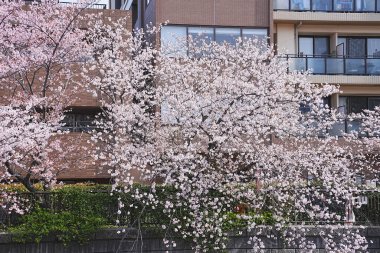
67 226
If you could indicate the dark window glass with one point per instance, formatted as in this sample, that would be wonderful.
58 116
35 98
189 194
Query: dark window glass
321 46
373 102
356 47
305 107
357 104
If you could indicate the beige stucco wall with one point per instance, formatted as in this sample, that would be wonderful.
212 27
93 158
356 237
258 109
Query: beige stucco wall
286 38
325 17
362 30
359 81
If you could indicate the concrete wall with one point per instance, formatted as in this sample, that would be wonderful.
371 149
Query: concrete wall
108 241
254 13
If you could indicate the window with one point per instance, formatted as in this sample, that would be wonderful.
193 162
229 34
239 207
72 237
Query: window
201 33
316 46
173 40
174 43
356 104
259 34
79 122
365 5
322 5
227 35
281 5
373 47
300 5
344 5
360 47
306 107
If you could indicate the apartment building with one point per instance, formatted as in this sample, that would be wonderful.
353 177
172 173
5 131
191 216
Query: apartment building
79 120
216 20
338 41
83 108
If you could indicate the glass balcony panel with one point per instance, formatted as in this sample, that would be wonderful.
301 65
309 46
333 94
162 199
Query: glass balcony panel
334 65
365 5
373 66
300 5
338 129
322 5
281 5
355 126
297 64
343 5
316 65
355 66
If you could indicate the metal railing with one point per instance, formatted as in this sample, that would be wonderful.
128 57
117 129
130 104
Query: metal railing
333 65
354 6
82 5
89 6
106 206
79 126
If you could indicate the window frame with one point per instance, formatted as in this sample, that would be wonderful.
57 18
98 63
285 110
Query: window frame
346 51
313 37
214 27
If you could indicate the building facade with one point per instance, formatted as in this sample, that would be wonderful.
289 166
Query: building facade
338 41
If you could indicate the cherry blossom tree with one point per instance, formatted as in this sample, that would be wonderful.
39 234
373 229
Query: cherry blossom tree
230 130
42 51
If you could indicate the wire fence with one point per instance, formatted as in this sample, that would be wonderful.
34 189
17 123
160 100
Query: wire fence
136 213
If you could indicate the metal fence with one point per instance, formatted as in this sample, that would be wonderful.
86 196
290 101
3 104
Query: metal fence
362 6
332 65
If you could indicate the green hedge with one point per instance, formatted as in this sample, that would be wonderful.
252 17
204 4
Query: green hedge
75 212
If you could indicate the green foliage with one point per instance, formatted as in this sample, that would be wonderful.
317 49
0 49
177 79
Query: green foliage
67 226
236 222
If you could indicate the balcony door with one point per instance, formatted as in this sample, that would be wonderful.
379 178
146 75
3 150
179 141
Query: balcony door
313 45
312 50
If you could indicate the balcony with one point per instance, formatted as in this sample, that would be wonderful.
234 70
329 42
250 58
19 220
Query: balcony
99 6
326 65
79 126
345 6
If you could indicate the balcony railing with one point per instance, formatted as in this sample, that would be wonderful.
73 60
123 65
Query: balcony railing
346 126
370 6
90 6
327 65
80 126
